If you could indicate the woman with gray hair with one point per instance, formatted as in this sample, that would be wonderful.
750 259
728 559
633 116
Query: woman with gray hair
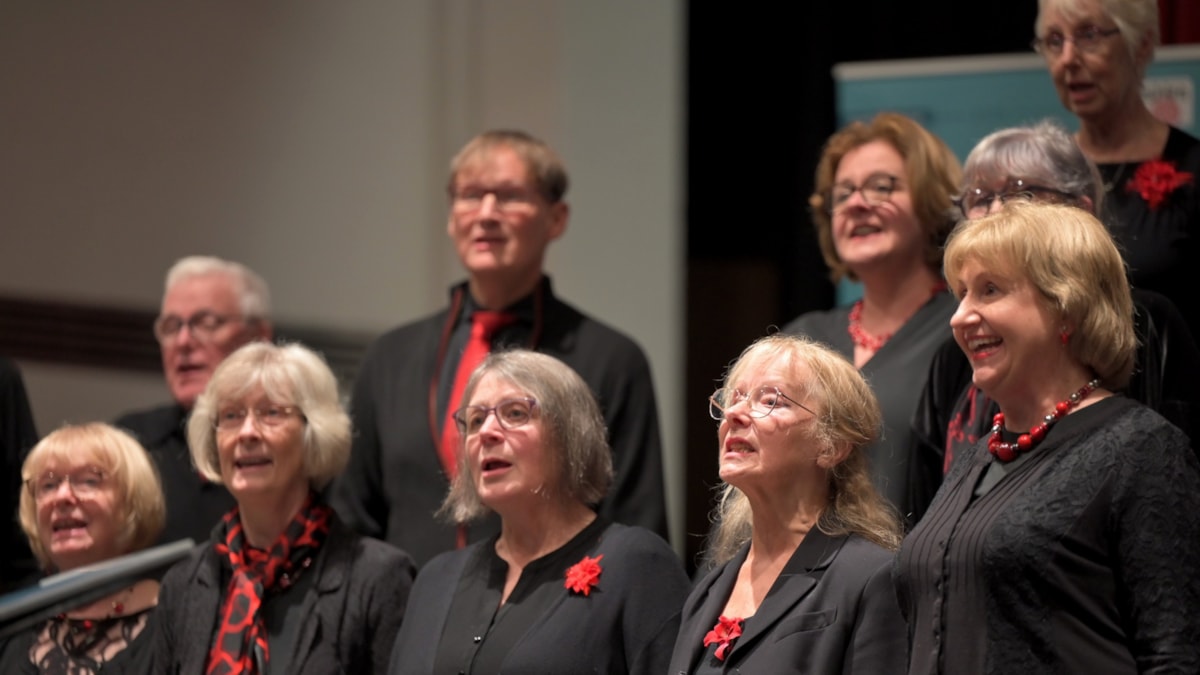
803 543
559 590
1097 53
283 585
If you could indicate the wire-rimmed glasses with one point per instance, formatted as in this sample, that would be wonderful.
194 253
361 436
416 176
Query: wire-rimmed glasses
761 401
510 413
85 483
503 199
269 415
977 201
1086 39
202 325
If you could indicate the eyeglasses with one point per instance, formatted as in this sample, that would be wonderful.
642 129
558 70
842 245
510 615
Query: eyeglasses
270 415
976 202
1086 39
85 483
202 325
503 199
762 401
876 189
510 413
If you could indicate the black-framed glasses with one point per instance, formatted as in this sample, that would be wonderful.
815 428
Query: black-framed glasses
269 415
761 401
1086 39
85 483
875 190
977 201
202 325
510 413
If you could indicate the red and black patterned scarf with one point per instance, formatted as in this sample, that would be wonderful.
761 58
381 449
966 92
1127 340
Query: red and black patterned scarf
241 644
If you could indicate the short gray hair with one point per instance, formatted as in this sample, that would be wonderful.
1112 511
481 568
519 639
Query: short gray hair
1044 152
288 374
574 431
253 294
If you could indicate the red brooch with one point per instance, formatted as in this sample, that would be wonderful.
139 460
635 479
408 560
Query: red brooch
1155 180
583 575
724 633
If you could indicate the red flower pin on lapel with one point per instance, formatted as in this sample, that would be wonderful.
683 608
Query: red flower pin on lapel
583 575
1155 180
724 633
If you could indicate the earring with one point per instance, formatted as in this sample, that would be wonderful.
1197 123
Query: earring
1065 336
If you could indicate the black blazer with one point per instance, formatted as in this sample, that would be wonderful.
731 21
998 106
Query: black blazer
833 609
351 610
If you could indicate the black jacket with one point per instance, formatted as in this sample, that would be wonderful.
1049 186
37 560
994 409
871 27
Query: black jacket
351 607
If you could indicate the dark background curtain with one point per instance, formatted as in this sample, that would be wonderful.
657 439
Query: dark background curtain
760 101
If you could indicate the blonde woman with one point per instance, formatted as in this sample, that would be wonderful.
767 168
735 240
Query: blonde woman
803 543
90 493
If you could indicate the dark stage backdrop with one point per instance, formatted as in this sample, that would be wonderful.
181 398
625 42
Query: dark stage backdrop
760 104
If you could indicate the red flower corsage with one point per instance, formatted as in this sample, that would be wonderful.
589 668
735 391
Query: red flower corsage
1155 180
583 575
724 633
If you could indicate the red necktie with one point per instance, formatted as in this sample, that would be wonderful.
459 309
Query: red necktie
484 325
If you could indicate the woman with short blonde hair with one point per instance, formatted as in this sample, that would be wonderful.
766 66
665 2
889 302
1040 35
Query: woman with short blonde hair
90 493
1058 542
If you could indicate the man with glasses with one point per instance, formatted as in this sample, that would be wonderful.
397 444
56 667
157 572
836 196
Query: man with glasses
506 193
210 308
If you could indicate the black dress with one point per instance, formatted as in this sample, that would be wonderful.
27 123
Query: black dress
66 646
1160 242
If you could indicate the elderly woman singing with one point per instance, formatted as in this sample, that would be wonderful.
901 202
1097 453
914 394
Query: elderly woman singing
283 586
803 542
560 589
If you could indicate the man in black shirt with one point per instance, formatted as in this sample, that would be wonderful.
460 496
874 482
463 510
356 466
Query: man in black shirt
209 309
507 205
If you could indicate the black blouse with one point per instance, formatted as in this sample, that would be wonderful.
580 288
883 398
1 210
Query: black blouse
1161 244
1084 558
479 631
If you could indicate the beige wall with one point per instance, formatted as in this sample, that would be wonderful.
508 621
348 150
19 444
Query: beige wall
309 140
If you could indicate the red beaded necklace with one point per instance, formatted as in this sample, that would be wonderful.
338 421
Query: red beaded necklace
861 337
1007 452
870 342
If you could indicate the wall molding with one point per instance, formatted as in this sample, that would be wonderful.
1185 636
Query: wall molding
120 338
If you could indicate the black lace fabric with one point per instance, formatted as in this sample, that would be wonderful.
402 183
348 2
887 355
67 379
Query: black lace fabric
83 646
